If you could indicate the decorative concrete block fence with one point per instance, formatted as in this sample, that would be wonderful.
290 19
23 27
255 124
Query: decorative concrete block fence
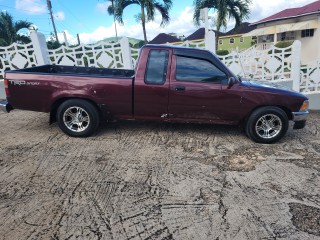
278 65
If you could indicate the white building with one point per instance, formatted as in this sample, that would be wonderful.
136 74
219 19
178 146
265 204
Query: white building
292 24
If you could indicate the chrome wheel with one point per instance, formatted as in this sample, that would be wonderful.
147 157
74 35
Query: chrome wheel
268 126
76 119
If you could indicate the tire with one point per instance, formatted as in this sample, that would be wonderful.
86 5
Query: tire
267 125
78 118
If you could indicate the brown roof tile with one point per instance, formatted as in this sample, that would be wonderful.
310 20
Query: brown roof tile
242 29
199 34
164 38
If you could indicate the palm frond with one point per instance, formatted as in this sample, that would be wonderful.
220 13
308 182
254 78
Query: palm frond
120 5
111 10
149 6
9 29
164 13
200 4
238 10
21 24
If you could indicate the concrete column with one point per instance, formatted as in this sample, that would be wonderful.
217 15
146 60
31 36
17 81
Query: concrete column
40 48
210 41
295 65
275 38
126 53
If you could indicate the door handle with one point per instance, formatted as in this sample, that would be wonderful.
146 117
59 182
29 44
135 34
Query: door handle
180 88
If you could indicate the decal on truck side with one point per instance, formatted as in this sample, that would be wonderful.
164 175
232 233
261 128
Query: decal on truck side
23 83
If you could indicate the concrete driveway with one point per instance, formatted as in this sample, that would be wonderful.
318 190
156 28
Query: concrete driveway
156 181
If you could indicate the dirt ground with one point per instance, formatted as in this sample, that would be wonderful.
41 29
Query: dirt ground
156 181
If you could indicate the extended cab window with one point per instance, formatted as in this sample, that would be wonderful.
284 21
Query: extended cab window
157 67
198 70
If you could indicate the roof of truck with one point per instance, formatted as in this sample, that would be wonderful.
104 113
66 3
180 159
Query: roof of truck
174 47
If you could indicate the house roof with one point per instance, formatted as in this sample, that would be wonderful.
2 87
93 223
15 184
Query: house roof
164 38
242 29
199 34
292 13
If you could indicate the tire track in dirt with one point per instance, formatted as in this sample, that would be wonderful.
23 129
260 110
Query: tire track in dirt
152 181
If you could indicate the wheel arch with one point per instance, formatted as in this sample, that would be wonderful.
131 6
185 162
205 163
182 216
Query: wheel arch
55 105
270 130
285 109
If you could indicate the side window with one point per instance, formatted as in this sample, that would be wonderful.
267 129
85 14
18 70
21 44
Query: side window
156 67
198 70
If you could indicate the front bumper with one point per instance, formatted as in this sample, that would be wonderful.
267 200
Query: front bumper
5 106
299 119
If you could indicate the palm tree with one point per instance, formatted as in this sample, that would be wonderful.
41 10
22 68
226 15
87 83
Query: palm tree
9 30
237 10
111 12
147 12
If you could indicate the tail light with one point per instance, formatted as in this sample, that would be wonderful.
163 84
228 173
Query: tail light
6 87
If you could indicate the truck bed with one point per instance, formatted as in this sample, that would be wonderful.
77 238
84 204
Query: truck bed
38 88
73 70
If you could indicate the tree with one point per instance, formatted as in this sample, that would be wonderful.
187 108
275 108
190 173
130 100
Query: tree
227 10
9 30
52 43
147 11
111 12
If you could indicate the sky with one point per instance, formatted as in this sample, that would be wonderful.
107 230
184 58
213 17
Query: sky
89 18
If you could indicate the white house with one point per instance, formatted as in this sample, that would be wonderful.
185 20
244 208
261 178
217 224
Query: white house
292 24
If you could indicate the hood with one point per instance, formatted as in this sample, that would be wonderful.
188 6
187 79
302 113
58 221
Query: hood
267 84
271 87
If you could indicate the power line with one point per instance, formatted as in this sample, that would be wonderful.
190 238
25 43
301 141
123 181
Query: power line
66 26
74 16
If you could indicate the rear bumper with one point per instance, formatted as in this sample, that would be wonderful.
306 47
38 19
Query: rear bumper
5 106
299 119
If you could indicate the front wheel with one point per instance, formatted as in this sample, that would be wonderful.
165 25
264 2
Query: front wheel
78 118
267 125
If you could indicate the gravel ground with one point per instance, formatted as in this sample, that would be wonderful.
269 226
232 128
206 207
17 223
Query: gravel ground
135 180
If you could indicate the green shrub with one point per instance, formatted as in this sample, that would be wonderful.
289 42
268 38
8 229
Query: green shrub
222 52
283 44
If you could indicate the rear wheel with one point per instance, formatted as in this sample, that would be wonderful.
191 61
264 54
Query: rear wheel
78 118
267 125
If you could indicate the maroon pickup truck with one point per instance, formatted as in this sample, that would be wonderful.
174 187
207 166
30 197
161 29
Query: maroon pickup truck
169 84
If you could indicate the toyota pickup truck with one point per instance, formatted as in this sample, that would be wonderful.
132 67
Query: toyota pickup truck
169 84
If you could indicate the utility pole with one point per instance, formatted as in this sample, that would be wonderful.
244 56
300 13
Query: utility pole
114 19
65 39
78 37
51 16
205 18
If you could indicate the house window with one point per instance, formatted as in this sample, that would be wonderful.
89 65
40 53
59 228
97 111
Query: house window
220 41
241 39
307 33
232 40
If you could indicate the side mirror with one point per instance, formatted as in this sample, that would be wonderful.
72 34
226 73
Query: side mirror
231 82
